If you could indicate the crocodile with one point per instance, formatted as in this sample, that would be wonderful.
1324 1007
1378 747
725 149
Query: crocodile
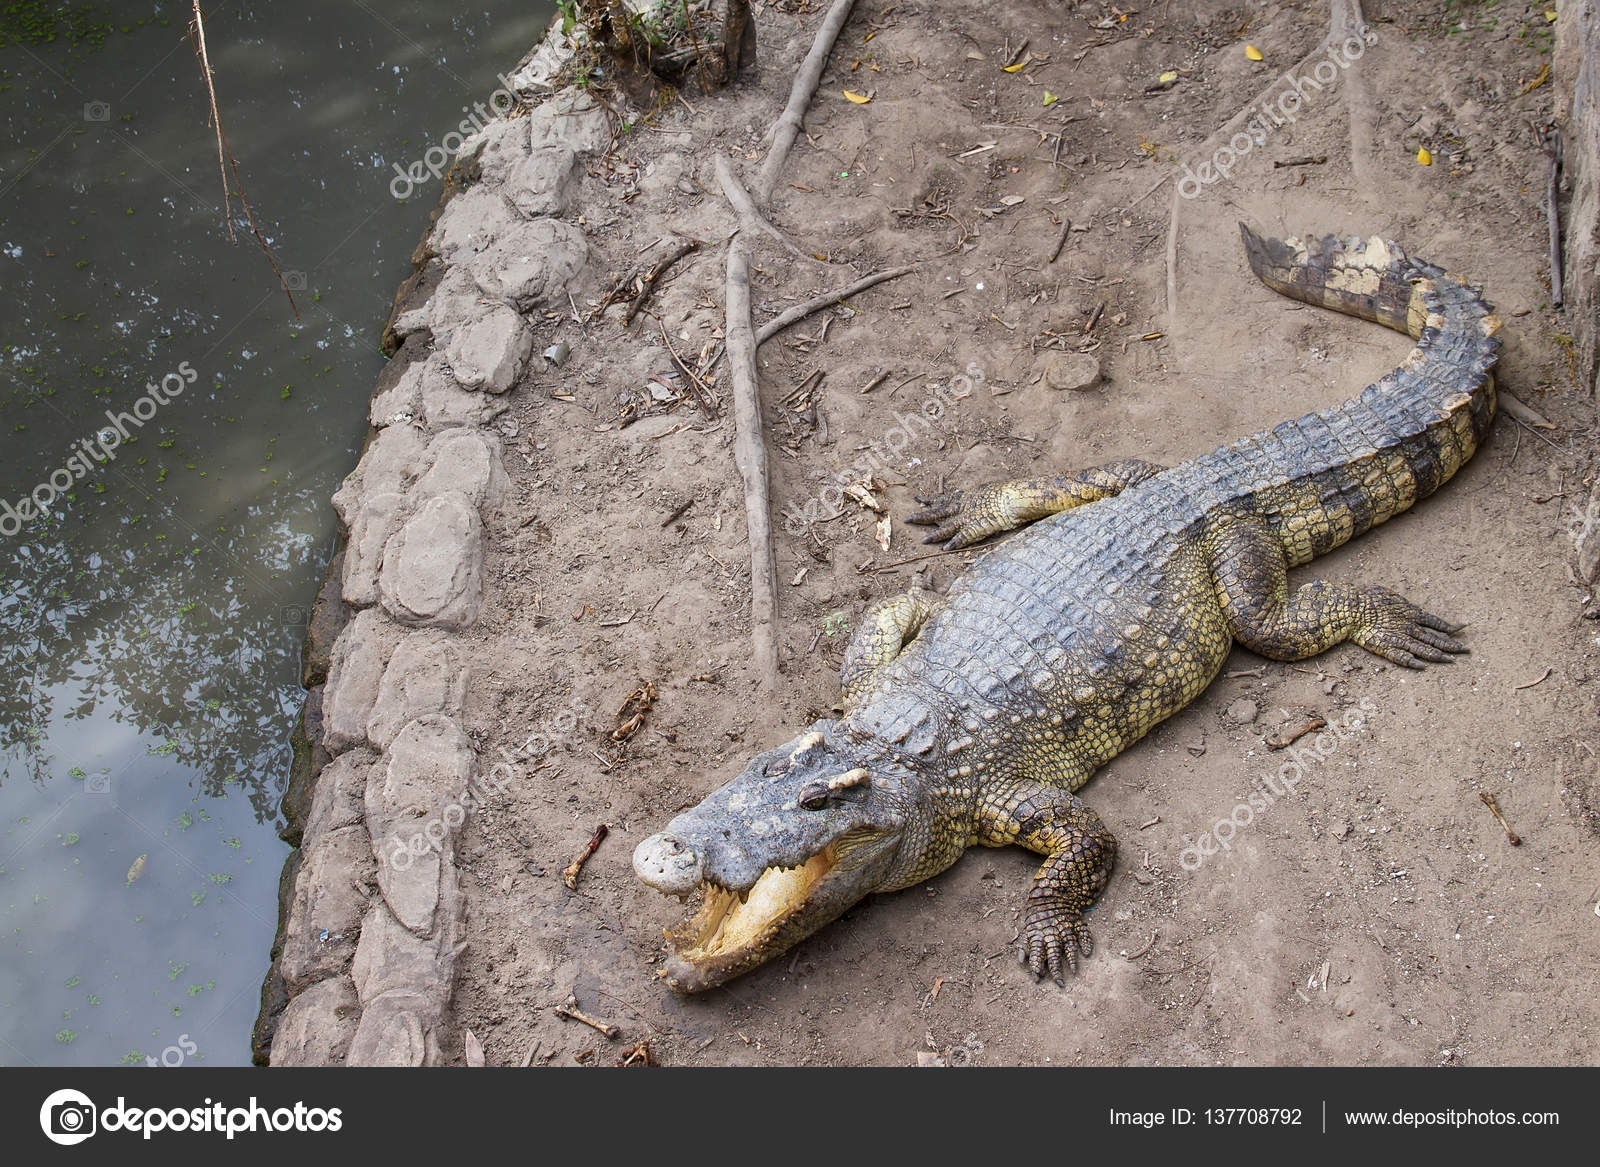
976 718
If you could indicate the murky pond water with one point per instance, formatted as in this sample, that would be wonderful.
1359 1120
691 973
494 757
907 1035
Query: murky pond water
181 431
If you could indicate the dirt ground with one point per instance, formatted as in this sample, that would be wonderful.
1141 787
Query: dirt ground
1379 915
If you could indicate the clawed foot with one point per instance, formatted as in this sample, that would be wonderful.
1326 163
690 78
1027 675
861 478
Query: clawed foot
1408 636
1053 935
961 518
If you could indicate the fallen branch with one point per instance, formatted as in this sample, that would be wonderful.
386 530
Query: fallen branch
654 274
226 161
1061 240
702 391
800 311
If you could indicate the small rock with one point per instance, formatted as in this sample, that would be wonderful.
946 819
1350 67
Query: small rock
1072 371
1341 830
1243 711
544 182
432 565
490 352
926 1060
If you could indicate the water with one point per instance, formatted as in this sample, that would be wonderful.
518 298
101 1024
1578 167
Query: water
151 618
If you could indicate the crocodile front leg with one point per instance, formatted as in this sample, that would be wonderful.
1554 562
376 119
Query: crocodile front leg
882 635
1079 853
1249 569
963 517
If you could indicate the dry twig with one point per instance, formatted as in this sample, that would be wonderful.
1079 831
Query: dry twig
225 159
1494 809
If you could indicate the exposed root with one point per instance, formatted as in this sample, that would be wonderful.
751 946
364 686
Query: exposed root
750 448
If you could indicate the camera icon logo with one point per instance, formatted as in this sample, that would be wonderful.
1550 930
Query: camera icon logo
295 281
67 1117
96 111
294 615
97 784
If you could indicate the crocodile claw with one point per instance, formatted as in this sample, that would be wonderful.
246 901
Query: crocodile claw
1052 936
960 518
1407 635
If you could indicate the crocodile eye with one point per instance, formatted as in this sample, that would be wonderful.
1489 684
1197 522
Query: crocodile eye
814 797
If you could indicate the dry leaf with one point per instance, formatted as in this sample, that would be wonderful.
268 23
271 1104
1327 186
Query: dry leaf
474 1050
1168 77
1423 156
1020 65
858 98
1050 98
1253 53
1543 76
883 532
861 492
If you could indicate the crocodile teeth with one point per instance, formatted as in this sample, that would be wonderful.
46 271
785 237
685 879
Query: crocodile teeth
730 921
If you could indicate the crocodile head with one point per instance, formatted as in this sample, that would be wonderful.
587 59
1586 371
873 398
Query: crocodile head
788 846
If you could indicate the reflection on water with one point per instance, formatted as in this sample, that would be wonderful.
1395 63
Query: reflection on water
181 431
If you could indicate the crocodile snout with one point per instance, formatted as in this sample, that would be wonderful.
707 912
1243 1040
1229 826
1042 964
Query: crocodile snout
668 864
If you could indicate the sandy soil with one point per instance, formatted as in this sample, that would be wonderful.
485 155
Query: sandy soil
1377 916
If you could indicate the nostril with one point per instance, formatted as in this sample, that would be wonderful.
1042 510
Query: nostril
666 862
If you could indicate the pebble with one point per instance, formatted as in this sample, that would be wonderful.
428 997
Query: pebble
1077 371
1243 711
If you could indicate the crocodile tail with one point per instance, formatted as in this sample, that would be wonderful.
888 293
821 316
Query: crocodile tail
1407 433
1371 278
1450 370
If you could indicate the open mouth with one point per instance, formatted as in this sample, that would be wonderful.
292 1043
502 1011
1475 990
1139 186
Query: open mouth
732 924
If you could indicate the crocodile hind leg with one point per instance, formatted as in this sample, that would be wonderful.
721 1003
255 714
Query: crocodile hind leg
963 517
1079 853
882 635
1250 571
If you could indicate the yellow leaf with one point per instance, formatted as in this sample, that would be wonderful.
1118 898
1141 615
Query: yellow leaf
1050 98
858 98
1253 53
1017 66
1424 157
1549 15
1152 336
1168 77
1543 76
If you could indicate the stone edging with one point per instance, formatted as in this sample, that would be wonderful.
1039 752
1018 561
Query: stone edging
371 915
